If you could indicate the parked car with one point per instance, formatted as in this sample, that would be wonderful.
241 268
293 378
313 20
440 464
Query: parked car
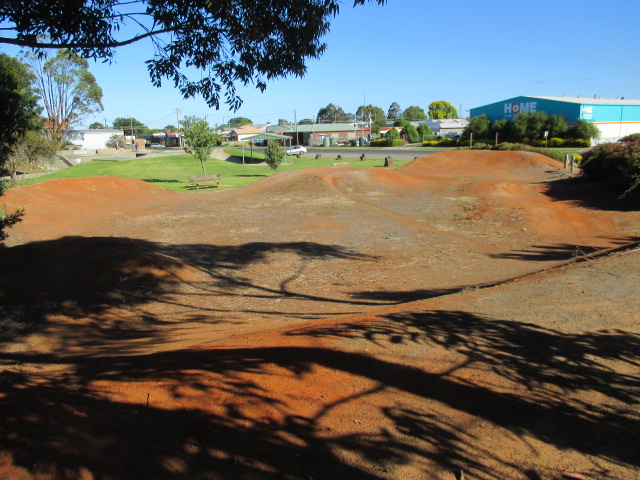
296 150
156 145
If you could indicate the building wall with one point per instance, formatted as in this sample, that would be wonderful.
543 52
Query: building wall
614 120
511 107
90 139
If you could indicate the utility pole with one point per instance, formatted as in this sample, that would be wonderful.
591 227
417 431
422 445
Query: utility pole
178 122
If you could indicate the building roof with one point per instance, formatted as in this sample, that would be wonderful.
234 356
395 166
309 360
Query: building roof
246 131
447 122
600 101
315 128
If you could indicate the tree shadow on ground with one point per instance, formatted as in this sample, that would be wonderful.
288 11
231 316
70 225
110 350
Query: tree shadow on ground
595 195
59 423
564 251
219 413
98 283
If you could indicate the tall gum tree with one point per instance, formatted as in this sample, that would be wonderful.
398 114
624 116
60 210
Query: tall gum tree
68 91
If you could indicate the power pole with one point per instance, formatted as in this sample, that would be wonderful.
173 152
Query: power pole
178 122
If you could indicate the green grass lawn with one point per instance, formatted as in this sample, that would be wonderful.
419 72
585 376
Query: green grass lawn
173 172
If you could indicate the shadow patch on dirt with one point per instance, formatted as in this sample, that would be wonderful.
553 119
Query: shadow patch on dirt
565 251
597 196
58 424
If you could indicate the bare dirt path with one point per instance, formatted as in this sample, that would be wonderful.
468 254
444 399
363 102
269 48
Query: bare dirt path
322 323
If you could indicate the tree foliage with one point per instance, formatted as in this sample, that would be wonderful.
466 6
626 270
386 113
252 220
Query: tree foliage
401 123
273 155
18 103
394 111
584 129
306 121
239 122
31 151
200 139
615 163
441 109
369 112
96 126
333 114
115 141
231 42
130 126
530 127
414 114
67 89
424 131
479 126
393 134
410 133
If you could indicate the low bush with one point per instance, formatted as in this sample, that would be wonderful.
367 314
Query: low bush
555 154
446 142
380 142
576 142
481 146
615 163
630 138
387 142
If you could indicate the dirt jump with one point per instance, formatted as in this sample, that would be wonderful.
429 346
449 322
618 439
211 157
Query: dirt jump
467 315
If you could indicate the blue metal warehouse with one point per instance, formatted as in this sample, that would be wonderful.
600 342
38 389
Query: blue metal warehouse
615 118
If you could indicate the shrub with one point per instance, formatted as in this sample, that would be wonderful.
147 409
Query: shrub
430 143
630 138
274 155
481 146
576 142
555 154
380 142
398 142
615 163
556 142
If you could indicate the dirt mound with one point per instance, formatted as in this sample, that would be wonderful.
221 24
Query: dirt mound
499 166
70 207
321 323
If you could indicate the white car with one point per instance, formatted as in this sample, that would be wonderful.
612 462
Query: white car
156 145
296 150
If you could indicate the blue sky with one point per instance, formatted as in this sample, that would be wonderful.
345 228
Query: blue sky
414 52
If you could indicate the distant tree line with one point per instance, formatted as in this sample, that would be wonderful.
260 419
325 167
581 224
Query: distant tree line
530 128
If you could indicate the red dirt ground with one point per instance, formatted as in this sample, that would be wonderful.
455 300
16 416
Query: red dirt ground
411 323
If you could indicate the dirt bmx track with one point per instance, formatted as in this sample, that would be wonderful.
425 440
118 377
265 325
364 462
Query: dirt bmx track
408 323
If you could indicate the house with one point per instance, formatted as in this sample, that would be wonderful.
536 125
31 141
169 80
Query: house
322 134
166 138
447 127
92 139
240 133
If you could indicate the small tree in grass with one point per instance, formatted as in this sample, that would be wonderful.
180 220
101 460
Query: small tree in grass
200 139
274 155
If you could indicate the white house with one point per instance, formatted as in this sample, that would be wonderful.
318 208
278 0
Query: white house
92 139
449 127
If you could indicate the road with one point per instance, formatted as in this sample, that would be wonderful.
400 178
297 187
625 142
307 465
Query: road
395 153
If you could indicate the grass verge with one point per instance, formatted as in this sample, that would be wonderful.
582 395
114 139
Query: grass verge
173 172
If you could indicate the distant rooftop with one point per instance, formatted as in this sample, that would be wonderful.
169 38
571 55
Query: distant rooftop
602 101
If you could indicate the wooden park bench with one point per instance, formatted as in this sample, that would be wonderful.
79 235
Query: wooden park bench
202 180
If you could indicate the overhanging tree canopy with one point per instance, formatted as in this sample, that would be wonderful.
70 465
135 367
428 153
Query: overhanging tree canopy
230 41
